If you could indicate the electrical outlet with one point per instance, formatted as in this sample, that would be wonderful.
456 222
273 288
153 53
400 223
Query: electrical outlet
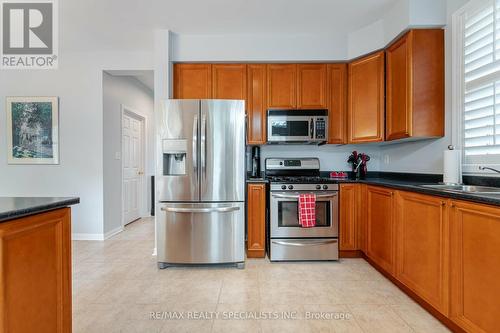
118 155
386 159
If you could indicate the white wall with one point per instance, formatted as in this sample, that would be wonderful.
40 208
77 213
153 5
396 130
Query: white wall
129 92
235 47
426 156
331 157
78 83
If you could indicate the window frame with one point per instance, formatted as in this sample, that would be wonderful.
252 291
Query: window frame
458 85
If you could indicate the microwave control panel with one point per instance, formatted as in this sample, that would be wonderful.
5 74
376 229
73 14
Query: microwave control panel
320 128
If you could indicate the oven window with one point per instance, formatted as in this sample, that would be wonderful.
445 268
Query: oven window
290 128
288 214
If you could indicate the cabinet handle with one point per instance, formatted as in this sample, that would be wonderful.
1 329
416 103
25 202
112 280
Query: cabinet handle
443 203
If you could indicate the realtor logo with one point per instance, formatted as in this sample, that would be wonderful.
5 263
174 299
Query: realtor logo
29 34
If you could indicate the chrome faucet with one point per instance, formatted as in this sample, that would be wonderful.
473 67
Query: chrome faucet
488 168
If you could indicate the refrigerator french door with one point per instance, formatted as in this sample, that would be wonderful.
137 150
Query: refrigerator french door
201 182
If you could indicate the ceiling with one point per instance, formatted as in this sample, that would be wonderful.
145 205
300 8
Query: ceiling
128 24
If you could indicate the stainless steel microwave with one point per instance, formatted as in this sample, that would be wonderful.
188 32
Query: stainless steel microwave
297 126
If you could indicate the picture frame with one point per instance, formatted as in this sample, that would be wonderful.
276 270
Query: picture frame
32 130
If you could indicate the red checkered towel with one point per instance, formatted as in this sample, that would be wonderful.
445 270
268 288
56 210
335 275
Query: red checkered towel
307 210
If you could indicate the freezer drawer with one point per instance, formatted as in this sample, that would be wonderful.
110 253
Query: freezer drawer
202 233
304 249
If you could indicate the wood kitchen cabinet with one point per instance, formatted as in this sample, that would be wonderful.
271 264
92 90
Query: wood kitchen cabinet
192 81
422 249
349 211
366 100
380 228
282 86
256 220
36 273
312 86
475 269
256 103
337 103
229 81
415 85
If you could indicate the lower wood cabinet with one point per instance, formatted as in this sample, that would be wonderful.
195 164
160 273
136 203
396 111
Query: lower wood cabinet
475 266
422 247
36 273
380 229
348 224
256 220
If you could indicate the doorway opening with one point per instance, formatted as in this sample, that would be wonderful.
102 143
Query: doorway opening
128 147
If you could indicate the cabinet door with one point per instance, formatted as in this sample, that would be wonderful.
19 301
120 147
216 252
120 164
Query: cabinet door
229 81
348 216
398 80
422 247
256 106
366 99
256 220
475 268
380 231
282 86
192 81
337 96
36 273
311 86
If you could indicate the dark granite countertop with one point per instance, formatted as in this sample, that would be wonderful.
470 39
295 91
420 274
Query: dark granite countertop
15 207
414 186
413 181
257 180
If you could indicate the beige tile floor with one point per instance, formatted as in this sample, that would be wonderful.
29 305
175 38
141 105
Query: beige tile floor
116 287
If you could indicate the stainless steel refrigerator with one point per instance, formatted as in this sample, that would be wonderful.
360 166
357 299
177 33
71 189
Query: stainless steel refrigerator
200 182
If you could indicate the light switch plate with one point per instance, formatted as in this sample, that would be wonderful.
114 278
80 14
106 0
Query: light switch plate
118 155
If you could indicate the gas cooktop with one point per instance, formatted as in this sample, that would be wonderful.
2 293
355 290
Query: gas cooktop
301 179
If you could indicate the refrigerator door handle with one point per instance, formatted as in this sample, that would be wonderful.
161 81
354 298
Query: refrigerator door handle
203 146
200 210
195 145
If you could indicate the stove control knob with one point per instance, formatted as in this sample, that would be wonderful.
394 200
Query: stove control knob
290 187
283 187
325 187
318 187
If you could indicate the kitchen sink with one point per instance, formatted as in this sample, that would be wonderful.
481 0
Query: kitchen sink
465 188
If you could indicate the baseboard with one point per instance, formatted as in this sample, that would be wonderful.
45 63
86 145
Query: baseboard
113 232
96 237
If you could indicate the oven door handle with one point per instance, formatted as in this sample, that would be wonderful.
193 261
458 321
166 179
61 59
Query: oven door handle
285 196
332 241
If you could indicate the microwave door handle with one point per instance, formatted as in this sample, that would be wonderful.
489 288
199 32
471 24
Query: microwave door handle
312 128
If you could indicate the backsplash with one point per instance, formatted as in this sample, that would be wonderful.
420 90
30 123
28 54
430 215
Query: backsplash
331 157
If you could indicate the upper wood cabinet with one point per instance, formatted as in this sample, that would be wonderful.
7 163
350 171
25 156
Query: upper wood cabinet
422 249
229 81
366 99
282 86
415 85
312 86
192 81
380 229
348 226
256 103
256 220
475 254
336 94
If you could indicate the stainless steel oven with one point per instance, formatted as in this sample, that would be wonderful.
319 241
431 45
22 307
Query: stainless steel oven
284 214
287 240
297 126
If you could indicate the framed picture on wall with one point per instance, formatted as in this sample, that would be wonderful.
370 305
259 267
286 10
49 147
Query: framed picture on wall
32 130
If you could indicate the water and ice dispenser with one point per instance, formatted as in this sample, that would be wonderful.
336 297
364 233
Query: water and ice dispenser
174 157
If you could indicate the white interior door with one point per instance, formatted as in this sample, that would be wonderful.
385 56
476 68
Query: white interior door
133 166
